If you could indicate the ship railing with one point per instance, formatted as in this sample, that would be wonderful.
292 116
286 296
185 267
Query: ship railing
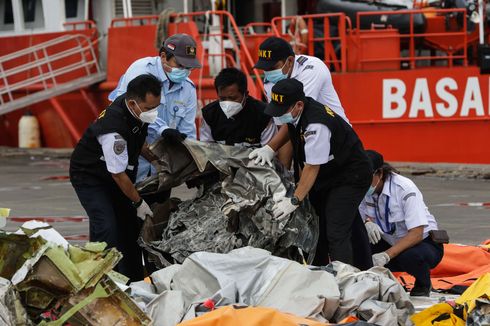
417 4
330 45
135 21
57 63
251 28
453 43
218 40
228 39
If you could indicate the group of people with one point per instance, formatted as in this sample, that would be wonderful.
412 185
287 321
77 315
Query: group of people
369 214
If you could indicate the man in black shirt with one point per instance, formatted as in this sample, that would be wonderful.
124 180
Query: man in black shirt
236 118
330 166
103 170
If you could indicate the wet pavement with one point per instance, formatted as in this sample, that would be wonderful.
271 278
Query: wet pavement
35 184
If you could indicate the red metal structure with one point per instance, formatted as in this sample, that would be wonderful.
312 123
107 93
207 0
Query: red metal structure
415 95
337 61
50 74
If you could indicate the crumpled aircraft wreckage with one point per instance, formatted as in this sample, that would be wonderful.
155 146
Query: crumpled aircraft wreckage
232 208
46 281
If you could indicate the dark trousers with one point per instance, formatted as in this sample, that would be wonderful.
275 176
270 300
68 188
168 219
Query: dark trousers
113 219
416 261
341 227
361 250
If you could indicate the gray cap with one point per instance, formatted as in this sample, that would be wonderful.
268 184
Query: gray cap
183 47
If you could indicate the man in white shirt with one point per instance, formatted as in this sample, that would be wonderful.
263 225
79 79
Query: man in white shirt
277 59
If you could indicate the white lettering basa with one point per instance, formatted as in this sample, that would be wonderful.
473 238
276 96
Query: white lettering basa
452 102
446 102
393 93
421 99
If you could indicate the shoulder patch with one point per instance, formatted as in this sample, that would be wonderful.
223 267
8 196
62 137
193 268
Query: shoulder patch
101 115
412 194
119 146
329 111
302 59
310 132
308 67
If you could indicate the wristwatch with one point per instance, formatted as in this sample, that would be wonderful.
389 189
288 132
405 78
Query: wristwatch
295 201
138 203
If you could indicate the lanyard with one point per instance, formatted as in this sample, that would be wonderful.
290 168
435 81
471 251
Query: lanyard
173 123
390 229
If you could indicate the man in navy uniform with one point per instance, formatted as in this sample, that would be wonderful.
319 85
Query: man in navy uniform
103 170
330 166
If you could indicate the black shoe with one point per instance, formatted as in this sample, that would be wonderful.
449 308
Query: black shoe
420 291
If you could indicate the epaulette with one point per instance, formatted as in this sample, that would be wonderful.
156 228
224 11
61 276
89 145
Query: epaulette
302 59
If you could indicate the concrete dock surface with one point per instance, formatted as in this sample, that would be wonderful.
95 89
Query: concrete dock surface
35 185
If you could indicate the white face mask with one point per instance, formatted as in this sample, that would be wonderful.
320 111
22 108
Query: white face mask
230 108
148 116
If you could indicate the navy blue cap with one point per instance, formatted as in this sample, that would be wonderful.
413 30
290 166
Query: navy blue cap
184 48
284 93
271 51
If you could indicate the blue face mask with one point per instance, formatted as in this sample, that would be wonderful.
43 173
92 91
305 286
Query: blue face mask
286 118
178 75
372 188
370 191
274 76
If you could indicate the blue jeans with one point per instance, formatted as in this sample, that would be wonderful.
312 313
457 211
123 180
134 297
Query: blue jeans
416 261
113 219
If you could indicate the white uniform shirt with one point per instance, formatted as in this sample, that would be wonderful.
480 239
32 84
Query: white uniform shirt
115 151
317 82
406 209
267 134
317 144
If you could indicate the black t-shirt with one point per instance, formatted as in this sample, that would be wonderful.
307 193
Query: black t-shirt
244 127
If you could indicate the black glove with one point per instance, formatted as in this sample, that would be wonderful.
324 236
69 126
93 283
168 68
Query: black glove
173 135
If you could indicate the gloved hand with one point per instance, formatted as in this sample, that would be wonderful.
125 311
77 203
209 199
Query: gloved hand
282 208
374 232
173 135
381 259
262 155
143 210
